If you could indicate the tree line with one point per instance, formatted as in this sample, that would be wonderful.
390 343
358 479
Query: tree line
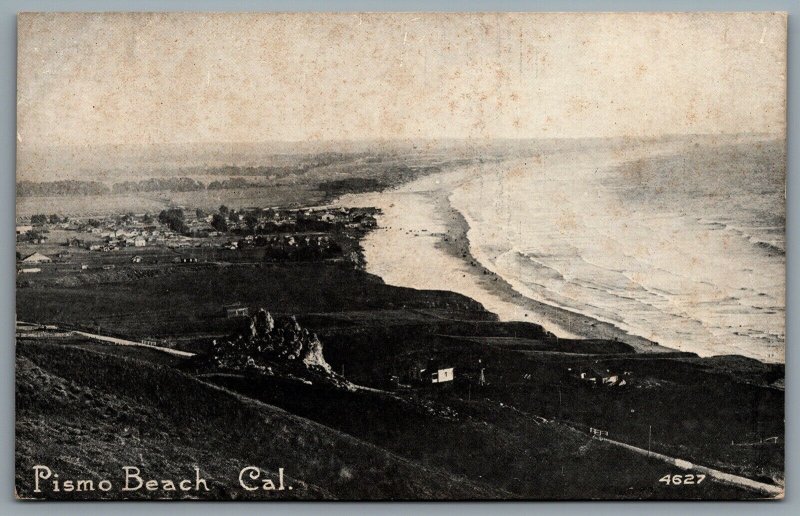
73 187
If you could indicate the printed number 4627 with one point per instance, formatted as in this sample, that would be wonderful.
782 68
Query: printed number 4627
677 480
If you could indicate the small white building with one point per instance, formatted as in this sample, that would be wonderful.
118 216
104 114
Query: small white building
442 375
233 311
36 257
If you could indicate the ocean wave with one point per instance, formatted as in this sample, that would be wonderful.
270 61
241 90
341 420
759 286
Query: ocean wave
560 237
654 296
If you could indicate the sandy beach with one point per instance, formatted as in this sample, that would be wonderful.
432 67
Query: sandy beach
422 243
560 240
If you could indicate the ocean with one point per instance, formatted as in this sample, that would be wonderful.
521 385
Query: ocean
678 241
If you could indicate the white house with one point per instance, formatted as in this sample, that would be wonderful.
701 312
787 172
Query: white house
36 258
442 375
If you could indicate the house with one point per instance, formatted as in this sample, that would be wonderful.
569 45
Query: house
136 259
611 380
442 375
21 230
30 270
36 258
605 378
232 311
435 372
139 242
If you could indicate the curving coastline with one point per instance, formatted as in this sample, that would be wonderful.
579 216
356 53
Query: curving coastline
422 242
630 281
560 321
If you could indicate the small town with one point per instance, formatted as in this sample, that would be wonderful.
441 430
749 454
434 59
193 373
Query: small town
277 234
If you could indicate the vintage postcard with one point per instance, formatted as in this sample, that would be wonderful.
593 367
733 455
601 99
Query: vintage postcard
419 256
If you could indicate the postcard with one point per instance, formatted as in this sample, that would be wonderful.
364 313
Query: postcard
418 256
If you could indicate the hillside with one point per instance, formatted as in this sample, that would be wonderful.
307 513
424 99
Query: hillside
87 414
87 409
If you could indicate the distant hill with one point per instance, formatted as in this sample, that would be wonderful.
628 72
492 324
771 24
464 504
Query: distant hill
110 163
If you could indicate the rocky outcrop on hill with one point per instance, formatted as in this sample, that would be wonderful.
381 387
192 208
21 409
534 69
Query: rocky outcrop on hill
266 343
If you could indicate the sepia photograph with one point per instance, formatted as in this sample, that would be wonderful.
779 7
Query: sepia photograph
400 256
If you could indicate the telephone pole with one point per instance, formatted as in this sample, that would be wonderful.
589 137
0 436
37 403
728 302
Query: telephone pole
559 401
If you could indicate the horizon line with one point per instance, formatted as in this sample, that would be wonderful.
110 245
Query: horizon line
413 139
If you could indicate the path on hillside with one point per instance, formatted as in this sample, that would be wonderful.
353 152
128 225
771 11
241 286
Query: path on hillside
123 342
770 490
108 339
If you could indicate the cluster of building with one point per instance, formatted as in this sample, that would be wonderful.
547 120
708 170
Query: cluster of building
594 377
104 234
286 245
283 234
277 220
111 238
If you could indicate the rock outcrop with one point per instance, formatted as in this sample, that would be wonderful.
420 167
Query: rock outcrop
267 342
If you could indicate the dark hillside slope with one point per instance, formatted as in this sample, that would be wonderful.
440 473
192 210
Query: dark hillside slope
86 415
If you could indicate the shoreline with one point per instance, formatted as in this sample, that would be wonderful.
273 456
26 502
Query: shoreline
576 325
465 274
427 239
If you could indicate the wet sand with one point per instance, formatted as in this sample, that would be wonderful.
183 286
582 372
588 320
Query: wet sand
456 243
422 243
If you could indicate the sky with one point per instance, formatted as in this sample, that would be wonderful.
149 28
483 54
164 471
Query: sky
90 79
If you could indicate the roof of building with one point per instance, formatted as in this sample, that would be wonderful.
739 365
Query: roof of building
36 257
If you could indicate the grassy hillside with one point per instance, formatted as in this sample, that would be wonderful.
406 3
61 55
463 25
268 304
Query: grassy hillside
86 414
189 300
86 410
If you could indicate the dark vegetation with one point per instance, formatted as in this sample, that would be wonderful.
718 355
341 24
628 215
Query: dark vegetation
112 411
363 180
511 434
113 407
234 182
352 173
65 188
189 299
41 218
156 184
351 184
179 184
174 219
